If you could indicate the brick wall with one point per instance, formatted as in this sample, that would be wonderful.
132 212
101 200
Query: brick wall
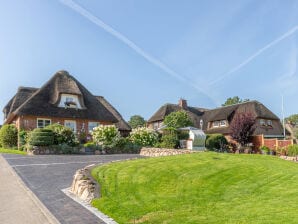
30 122
272 143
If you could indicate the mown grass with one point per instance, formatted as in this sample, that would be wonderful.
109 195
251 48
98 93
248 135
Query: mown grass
200 188
12 151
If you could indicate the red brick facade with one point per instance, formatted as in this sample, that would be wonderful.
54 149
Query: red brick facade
30 122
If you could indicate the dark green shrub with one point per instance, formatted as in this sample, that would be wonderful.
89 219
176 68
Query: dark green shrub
62 135
216 142
41 137
293 150
169 139
8 136
265 149
22 138
183 135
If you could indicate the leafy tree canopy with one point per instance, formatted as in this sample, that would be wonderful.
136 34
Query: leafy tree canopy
242 127
293 119
136 121
177 119
234 100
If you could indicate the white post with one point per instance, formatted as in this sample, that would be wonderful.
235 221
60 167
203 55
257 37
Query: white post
283 116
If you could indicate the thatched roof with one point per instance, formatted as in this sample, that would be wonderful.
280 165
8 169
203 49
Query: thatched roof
44 101
223 113
166 109
122 125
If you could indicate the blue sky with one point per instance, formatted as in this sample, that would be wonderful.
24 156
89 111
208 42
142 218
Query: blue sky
142 54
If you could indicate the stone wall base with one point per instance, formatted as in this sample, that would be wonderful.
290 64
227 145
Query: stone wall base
157 152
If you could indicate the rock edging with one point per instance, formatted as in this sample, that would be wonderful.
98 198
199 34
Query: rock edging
157 152
290 158
84 186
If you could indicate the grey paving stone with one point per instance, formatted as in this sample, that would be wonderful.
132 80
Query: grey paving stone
46 175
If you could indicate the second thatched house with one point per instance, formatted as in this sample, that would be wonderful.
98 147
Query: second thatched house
62 100
218 120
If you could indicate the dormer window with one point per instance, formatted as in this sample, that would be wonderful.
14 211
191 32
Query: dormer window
69 101
262 122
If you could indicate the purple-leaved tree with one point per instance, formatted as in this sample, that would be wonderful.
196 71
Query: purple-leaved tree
242 127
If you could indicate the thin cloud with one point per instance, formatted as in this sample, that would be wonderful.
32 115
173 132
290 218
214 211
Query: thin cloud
271 44
92 18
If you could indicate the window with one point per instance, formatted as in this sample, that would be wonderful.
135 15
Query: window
262 122
69 101
41 123
223 123
269 122
71 124
155 125
215 124
92 125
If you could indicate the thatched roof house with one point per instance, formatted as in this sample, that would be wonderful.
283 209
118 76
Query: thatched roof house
64 100
218 120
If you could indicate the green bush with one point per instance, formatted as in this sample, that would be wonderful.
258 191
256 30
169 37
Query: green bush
62 135
106 136
293 150
265 148
169 139
8 136
41 137
22 138
143 136
216 142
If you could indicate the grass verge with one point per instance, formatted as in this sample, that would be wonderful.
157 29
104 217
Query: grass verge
12 151
200 188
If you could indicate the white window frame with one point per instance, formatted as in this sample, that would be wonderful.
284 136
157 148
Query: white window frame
269 122
92 122
215 124
71 121
66 98
223 123
262 122
43 122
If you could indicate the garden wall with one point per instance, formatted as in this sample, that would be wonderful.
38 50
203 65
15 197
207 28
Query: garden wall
157 152
271 143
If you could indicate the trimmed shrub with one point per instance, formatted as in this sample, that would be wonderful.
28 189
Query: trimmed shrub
41 137
169 139
8 136
216 142
62 135
293 150
143 136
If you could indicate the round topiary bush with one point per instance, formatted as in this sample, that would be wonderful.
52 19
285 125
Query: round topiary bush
41 137
62 134
8 136
216 142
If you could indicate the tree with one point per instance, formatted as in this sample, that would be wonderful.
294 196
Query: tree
234 100
8 136
242 127
136 121
177 119
293 119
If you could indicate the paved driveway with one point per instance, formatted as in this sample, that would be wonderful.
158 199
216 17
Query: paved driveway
46 175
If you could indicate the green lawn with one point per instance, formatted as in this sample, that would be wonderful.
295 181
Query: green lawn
12 151
200 188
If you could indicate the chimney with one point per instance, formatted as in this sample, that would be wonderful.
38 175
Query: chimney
182 103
